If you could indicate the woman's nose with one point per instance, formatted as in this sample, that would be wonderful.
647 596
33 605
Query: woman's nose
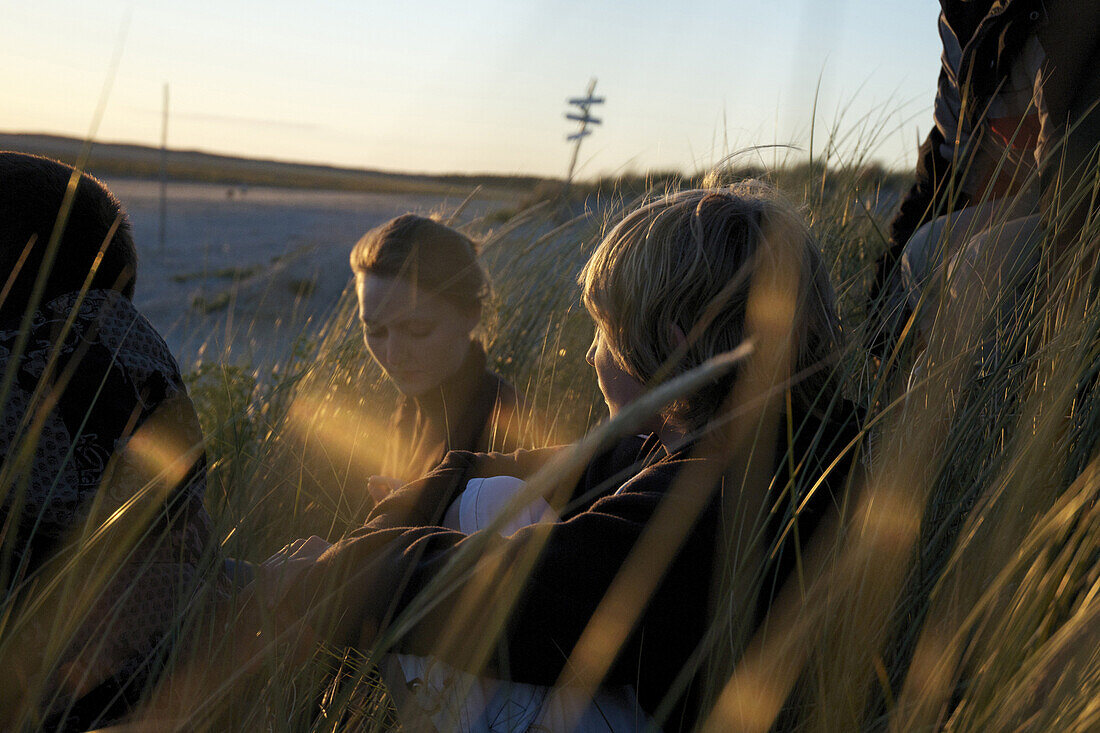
398 351
395 350
590 357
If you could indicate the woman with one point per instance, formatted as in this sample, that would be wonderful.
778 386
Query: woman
421 292
106 541
529 623
1011 155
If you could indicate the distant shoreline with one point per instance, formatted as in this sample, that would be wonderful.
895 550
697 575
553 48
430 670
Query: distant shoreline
117 160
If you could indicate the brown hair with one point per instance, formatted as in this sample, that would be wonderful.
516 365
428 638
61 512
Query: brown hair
427 254
687 260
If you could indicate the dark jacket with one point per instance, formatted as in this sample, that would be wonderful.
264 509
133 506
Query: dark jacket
474 410
392 560
991 35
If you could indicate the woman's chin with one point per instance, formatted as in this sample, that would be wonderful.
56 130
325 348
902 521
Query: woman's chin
412 385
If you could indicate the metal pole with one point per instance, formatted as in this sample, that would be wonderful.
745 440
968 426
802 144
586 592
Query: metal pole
164 170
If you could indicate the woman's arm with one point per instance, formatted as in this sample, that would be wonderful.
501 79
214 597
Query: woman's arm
1071 93
422 503
537 589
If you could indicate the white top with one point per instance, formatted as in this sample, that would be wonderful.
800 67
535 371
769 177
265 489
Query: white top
484 499
431 695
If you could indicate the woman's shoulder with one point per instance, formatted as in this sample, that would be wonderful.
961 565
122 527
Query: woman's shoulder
655 474
510 422
831 440
503 391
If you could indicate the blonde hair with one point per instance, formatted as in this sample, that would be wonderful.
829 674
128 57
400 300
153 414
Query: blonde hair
687 260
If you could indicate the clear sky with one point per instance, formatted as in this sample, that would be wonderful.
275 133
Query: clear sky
476 86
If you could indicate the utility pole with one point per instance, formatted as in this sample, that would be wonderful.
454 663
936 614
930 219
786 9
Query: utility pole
164 170
583 117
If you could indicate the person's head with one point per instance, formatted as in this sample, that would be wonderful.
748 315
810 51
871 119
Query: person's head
420 291
32 192
668 289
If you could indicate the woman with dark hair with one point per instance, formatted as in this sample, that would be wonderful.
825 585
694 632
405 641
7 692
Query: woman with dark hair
421 292
104 540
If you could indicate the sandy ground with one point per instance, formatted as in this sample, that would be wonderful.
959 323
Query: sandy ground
245 272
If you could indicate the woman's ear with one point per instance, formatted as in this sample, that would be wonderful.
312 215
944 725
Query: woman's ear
678 337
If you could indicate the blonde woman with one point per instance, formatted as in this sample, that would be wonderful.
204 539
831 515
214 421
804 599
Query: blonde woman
668 289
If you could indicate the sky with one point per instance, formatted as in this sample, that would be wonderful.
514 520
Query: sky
481 85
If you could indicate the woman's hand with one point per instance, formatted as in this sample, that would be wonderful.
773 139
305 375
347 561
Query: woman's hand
264 625
290 561
269 612
379 487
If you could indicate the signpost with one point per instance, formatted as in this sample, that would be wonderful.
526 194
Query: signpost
585 119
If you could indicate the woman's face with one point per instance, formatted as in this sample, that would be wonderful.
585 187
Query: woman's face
619 388
418 338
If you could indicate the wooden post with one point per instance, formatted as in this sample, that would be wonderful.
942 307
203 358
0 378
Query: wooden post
584 103
164 170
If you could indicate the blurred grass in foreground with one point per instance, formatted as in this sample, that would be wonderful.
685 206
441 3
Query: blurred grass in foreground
962 593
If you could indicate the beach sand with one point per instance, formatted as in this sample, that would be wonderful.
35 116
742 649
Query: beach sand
245 271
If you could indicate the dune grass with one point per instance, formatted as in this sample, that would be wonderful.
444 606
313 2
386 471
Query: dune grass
960 592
